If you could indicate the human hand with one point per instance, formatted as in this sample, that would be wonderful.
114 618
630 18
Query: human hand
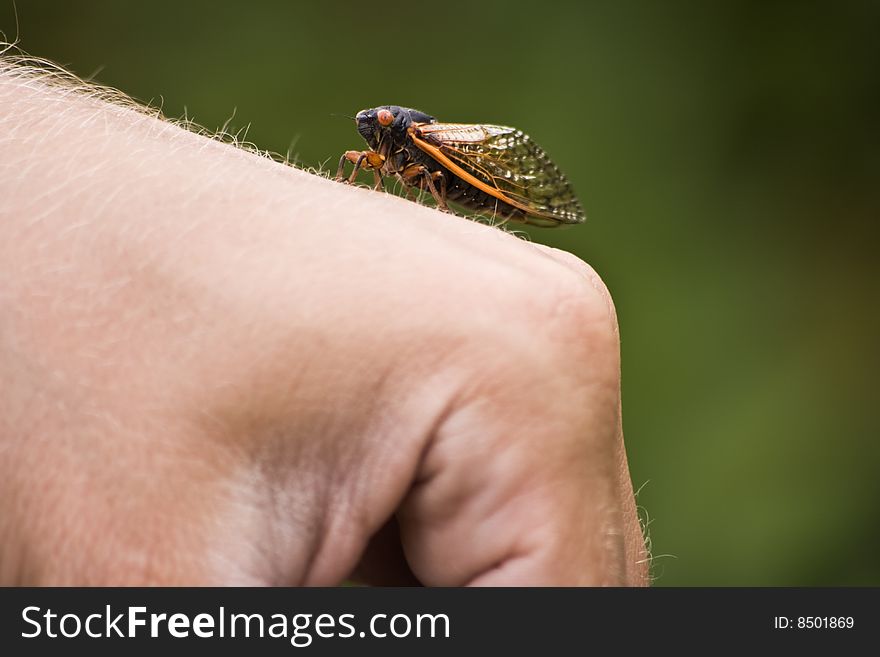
221 370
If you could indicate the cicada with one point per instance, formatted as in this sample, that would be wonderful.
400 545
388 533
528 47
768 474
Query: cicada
491 170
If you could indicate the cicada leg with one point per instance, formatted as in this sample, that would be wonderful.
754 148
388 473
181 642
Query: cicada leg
408 189
439 196
361 159
347 156
426 178
504 219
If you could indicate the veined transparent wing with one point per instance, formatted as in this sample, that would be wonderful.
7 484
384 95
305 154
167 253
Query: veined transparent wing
509 164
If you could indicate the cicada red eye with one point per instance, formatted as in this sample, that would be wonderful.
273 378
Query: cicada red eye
385 117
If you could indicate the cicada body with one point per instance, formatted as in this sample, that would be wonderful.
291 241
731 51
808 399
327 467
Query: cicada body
493 171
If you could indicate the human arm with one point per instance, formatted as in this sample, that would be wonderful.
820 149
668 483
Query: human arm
221 370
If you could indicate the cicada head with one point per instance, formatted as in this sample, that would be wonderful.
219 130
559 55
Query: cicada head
388 122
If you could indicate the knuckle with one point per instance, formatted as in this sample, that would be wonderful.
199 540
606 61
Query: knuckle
575 311
582 304
589 284
581 324
555 323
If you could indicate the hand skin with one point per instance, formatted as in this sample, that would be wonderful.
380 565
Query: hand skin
220 370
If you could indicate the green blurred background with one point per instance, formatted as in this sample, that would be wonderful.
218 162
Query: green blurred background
728 156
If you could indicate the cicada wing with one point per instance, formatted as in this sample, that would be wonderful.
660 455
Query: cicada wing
508 161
